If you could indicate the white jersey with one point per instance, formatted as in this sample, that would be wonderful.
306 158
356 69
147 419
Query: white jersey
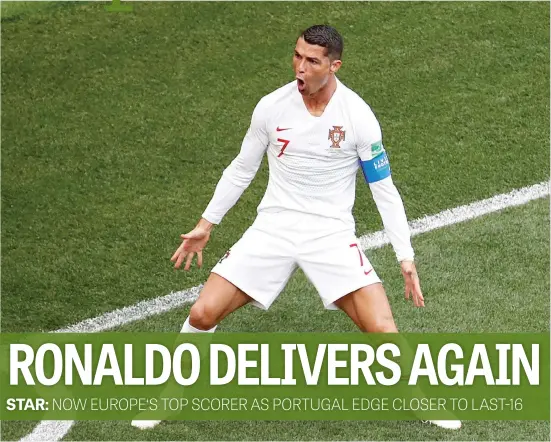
313 161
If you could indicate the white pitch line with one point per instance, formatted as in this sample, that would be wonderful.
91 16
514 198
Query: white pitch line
49 431
141 310
55 430
459 214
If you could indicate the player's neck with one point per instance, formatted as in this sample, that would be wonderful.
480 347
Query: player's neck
316 103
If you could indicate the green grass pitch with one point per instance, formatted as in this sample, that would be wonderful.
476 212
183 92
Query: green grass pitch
116 127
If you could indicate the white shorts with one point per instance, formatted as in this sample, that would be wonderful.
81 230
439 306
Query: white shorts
264 259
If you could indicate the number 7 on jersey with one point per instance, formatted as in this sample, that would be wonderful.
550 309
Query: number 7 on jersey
285 143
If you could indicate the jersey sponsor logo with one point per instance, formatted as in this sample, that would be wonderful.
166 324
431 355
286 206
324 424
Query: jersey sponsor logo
376 169
376 148
336 135
279 129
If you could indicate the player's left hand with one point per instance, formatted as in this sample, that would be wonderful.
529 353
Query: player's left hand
411 280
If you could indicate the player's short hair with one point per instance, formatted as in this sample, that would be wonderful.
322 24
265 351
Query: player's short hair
327 37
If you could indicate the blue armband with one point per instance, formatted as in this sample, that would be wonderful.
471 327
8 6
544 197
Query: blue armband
376 169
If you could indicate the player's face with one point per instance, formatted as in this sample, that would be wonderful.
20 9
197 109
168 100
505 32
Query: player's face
312 66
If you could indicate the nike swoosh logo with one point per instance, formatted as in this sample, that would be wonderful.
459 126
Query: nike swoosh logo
367 273
279 129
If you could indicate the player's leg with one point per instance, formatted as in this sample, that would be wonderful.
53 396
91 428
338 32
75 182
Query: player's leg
345 279
217 299
255 270
368 307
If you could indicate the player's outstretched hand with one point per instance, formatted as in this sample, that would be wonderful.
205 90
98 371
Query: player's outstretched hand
411 280
192 243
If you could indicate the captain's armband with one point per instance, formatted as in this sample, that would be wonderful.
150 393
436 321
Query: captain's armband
376 169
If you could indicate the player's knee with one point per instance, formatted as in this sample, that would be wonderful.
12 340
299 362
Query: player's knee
203 316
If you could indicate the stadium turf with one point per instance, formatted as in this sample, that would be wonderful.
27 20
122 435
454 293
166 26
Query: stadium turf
117 126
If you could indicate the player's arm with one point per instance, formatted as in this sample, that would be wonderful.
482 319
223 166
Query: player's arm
235 179
376 169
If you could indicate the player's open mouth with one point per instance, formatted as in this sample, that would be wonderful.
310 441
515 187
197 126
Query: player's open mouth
300 84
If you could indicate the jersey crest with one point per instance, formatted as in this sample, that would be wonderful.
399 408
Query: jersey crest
336 135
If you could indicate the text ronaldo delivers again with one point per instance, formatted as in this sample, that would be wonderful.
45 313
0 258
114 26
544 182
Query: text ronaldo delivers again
362 364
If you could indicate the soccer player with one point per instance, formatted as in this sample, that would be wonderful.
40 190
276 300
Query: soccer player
316 133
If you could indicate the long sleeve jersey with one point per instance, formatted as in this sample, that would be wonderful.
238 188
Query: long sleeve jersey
313 162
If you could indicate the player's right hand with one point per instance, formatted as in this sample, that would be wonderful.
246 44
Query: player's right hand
192 243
